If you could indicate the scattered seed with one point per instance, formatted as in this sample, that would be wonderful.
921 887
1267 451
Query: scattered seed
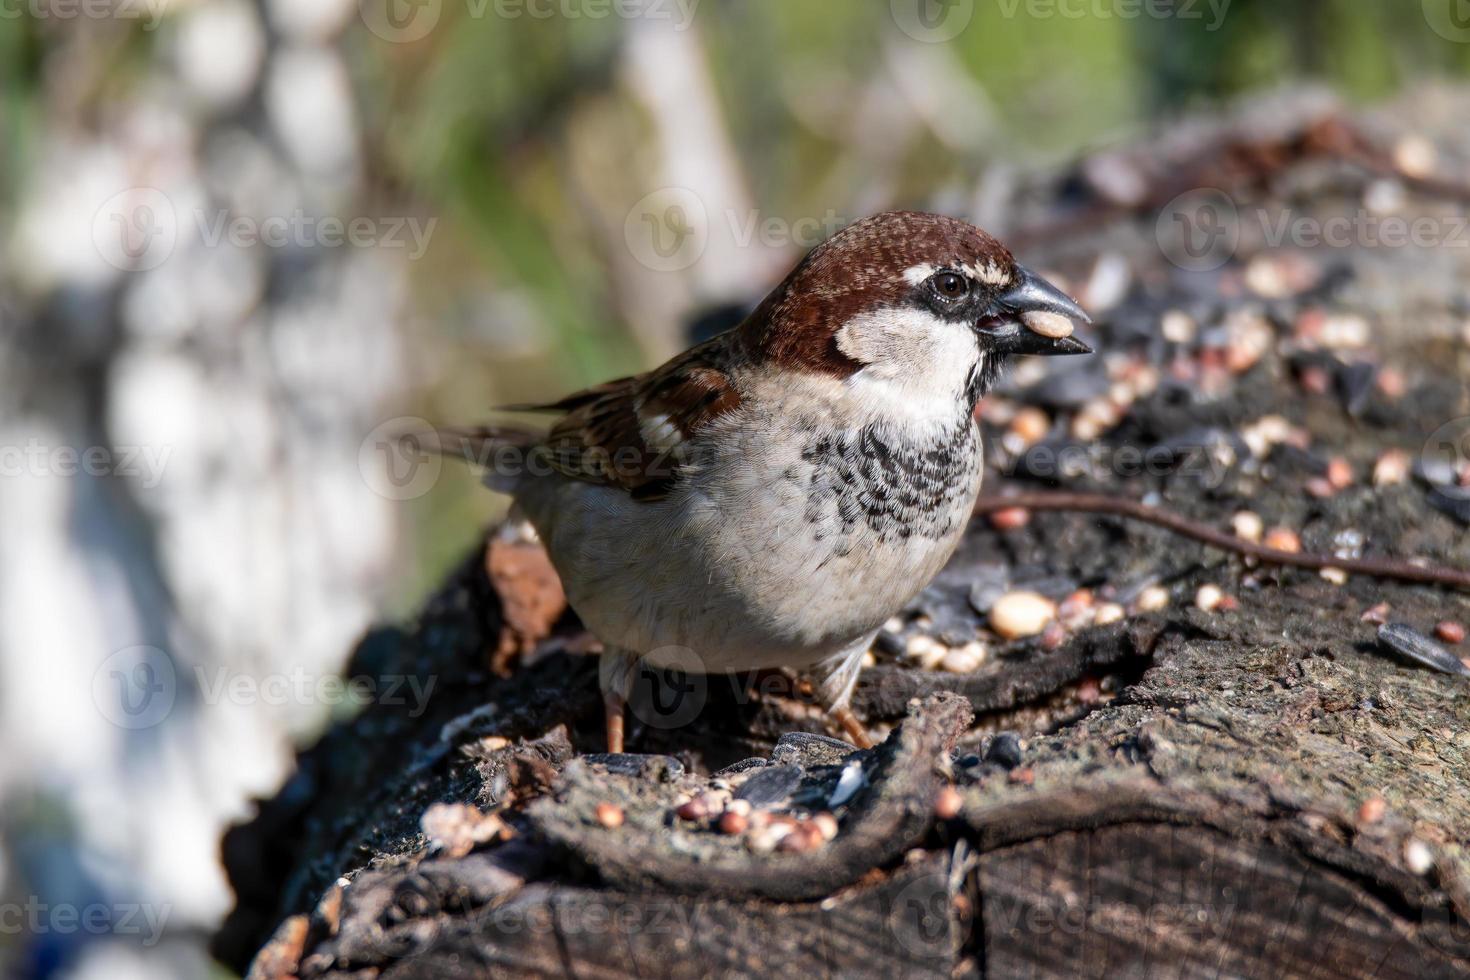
926 650
1248 525
1076 602
1018 614
848 783
947 803
1108 612
1152 599
733 823
1377 615
769 785
1227 603
1346 330
1004 750
1178 327
1094 418
1339 473
1030 426
1265 276
1089 691
609 816
1450 632
702 807
1392 468
1418 857
1392 383
1372 810
1321 487
806 837
1010 518
1414 646
1415 156
965 659
1283 539
1315 380
1208 597
1334 575
765 839
826 824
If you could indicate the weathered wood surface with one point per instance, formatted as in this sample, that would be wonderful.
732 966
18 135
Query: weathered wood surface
1189 797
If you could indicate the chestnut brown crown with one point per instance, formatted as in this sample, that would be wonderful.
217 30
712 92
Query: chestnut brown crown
898 259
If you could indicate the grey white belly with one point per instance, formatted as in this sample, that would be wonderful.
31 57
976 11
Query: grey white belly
797 545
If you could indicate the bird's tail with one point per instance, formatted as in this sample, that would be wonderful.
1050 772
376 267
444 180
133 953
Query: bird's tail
503 454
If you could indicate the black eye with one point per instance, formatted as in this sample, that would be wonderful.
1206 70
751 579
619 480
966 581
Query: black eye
951 285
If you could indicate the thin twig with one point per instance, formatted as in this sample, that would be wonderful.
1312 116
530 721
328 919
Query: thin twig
1096 503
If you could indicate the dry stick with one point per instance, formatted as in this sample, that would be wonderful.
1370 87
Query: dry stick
1097 503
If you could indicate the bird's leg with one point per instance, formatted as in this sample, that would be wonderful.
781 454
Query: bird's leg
614 704
851 727
616 672
835 678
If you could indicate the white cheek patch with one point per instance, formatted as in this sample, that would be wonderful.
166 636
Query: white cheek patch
915 365
916 274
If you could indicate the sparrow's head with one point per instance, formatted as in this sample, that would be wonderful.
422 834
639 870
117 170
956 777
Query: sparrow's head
922 303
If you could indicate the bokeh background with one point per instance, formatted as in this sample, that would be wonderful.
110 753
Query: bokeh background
245 242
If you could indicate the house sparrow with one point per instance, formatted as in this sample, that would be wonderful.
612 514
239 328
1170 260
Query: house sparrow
772 496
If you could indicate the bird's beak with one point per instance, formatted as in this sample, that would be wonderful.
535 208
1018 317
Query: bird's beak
1034 317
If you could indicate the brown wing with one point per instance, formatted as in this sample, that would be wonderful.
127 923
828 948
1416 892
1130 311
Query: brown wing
631 433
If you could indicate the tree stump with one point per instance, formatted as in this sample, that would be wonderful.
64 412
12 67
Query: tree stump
1259 790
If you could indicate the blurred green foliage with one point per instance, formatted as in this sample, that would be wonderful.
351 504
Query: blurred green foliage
480 124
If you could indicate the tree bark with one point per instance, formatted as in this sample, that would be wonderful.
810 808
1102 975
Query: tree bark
1252 791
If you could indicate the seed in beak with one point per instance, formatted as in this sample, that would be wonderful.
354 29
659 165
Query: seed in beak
1052 325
